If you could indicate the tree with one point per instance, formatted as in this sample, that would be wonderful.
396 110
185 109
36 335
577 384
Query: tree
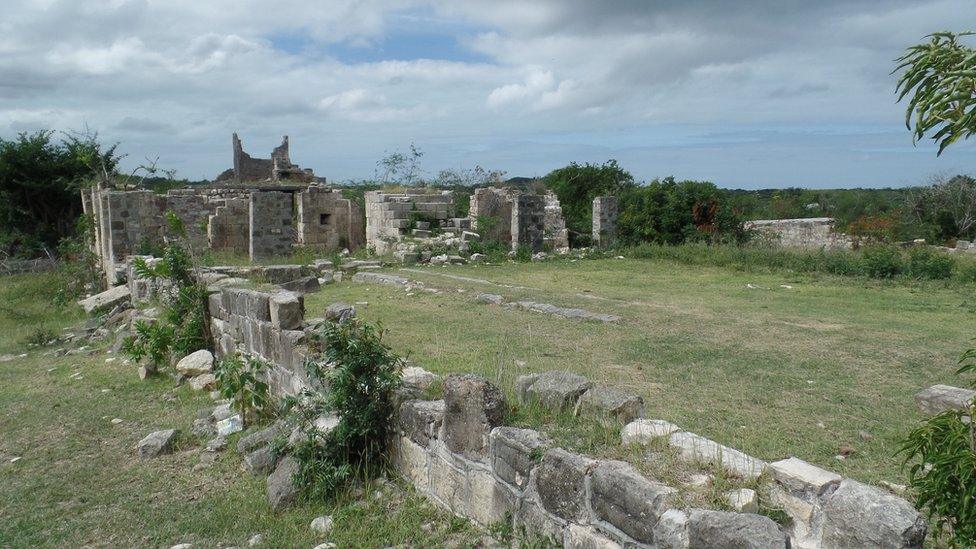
949 205
577 185
940 76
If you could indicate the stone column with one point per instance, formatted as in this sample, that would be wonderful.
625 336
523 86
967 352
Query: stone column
528 221
604 221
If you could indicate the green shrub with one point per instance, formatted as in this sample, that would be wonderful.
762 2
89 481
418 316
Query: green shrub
496 252
240 380
881 261
927 263
40 337
523 254
361 374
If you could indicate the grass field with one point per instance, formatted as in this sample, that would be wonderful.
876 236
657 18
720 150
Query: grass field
78 482
794 365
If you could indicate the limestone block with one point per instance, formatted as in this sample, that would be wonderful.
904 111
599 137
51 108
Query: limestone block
522 385
585 537
710 529
692 447
858 515
420 420
282 492
610 405
623 497
939 398
340 311
514 453
799 476
260 462
447 482
303 285
286 310
196 363
743 500
538 524
643 431
671 531
560 483
276 274
418 379
557 390
473 407
487 500
106 300
157 443
411 461
492 299
203 382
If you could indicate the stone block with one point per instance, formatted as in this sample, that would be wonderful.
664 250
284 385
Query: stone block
487 500
610 405
643 431
514 453
622 497
743 500
671 530
260 462
447 481
858 515
538 524
110 298
491 299
557 390
420 420
281 490
303 285
276 274
560 483
940 398
522 385
585 537
157 444
340 311
203 382
411 461
692 447
260 438
196 363
799 476
473 407
711 529
286 310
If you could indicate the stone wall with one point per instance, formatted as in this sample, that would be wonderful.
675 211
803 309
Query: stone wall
528 222
228 227
809 233
277 168
556 235
389 216
270 221
605 211
327 221
491 214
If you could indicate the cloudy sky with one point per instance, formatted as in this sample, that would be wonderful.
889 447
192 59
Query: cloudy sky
745 93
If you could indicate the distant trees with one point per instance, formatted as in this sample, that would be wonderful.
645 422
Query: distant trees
40 179
576 185
948 205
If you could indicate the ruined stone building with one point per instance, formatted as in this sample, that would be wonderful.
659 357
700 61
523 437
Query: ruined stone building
808 233
519 219
233 215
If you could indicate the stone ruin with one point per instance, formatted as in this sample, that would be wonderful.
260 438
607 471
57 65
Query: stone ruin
805 233
278 168
262 220
604 221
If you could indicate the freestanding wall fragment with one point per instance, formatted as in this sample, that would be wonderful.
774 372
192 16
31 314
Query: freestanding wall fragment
605 220
270 224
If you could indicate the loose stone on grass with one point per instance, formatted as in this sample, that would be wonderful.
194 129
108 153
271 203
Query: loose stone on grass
196 363
322 525
157 444
281 491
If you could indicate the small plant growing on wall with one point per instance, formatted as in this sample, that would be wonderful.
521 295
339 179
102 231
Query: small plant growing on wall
182 325
361 374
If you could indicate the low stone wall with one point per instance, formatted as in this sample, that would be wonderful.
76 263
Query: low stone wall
388 215
810 233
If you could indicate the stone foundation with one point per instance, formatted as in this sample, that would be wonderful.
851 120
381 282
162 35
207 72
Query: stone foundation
810 233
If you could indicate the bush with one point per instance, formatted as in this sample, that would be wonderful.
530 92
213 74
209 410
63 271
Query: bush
240 380
927 263
881 261
361 374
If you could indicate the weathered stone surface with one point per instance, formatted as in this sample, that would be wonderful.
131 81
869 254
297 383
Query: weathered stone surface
487 501
671 531
281 491
805 514
538 524
157 443
260 462
940 398
230 425
711 529
418 379
380 278
610 404
420 420
584 537
287 310
276 274
321 525
800 476
340 312
514 453
411 461
858 515
196 363
303 285
473 407
447 482
259 438
560 483
557 389
492 299
692 447
204 382
522 384
623 497
743 500
643 431
108 299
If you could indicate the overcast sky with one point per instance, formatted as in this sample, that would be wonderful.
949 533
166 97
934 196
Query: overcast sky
745 93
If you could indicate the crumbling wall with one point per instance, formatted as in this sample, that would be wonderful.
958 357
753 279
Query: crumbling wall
270 224
228 227
528 222
328 222
389 215
808 233
605 210
491 214
277 168
556 235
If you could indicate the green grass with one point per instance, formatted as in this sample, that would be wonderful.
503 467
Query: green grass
78 481
772 371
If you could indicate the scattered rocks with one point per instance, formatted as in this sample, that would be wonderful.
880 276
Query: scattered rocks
492 299
281 491
108 299
557 390
643 431
231 425
204 382
259 438
260 462
340 312
743 500
322 525
858 515
157 444
256 540
218 444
